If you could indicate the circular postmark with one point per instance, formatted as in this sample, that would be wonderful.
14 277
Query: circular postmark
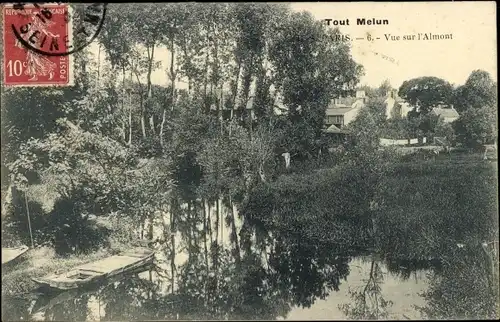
58 29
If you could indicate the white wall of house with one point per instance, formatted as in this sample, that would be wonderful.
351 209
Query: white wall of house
351 115
449 119
390 104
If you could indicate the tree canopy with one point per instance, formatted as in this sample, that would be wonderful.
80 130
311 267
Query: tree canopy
424 93
478 91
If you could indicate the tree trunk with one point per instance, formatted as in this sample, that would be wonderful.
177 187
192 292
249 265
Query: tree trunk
205 231
247 82
190 240
206 77
173 211
143 122
142 228
172 72
221 107
152 123
221 223
235 233
124 131
141 105
196 235
7 200
172 77
150 69
130 113
217 221
162 126
188 60
148 88
29 219
236 84
98 63
151 226
209 224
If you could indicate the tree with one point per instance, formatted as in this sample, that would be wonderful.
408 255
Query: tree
384 88
479 90
309 68
369 91
477 126
367 128
446 130
424 93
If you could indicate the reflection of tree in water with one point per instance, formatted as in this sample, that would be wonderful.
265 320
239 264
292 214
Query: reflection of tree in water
367 300
15 308
405 268
467 287
256 283
131 298
250 289
304 272
75 309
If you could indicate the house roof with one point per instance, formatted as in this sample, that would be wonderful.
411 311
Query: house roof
332 129
338 111
446 112
342 102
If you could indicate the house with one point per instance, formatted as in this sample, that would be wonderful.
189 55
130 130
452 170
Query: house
396 107
447 113
343 110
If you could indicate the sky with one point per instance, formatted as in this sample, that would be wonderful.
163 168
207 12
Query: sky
473 43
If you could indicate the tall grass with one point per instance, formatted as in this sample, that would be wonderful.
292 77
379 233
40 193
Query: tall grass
39 262
430 207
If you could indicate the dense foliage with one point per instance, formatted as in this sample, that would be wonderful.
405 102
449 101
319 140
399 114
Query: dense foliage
203 156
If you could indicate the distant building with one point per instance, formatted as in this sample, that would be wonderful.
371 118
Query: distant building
447 113
343 110
395 106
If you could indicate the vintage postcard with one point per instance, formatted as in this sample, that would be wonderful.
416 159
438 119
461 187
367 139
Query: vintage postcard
227 161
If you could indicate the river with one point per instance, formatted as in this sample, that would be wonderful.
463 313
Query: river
323 292
436 260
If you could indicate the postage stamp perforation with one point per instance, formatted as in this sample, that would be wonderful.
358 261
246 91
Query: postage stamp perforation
40 38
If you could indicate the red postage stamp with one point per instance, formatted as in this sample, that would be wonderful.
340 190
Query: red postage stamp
46 28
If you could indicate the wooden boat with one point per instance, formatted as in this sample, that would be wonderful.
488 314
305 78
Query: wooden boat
131 262
10 254
46 301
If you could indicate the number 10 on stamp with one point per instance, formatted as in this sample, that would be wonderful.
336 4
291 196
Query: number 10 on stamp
46 28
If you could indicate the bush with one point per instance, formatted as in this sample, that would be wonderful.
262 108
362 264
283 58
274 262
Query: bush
476 127
64 227
429 207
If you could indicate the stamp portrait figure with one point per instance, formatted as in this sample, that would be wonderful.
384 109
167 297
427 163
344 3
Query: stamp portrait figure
36 64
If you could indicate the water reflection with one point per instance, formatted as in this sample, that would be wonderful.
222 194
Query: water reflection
285 274
467 286
369 289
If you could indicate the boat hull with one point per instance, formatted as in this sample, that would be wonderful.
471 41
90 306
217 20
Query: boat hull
97 272
9 255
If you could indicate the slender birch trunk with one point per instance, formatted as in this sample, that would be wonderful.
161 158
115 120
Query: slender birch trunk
173 211
205 232
235 232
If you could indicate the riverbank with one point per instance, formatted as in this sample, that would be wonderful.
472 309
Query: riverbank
425 210
39 262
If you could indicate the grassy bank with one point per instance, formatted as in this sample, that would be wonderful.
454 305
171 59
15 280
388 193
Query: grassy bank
429 207
39 262
423 207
